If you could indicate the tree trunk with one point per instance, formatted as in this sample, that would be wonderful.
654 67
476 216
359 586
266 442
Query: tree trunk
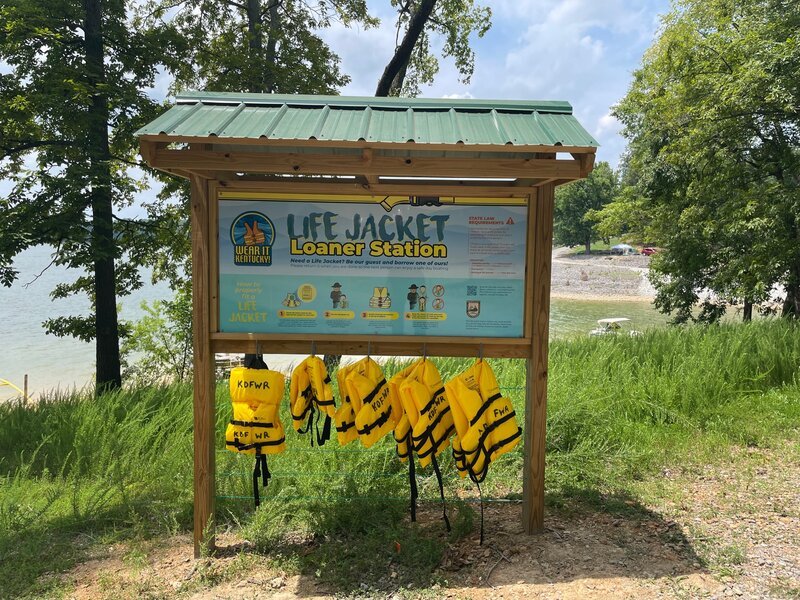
255 44
588 244
402 53
272 44
100 193
791 304
747 311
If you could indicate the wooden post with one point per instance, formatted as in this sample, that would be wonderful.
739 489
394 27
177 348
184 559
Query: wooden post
25 389
541 221
204 385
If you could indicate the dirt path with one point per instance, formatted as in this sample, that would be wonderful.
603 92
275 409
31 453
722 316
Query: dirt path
728 530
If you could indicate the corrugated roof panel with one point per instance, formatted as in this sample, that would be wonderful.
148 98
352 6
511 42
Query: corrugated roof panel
388 126
479 128
375 120
167 122
568 131
251 122
206 120
433 127
521 128
341 125
296 124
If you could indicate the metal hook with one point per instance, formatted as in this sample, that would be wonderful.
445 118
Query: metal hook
480 351
369 348
425 351
313 348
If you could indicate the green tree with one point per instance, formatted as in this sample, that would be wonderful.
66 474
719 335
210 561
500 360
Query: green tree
576 203
713 125
413 64
259 46
71 96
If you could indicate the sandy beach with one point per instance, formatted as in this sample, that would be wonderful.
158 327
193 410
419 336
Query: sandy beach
600 278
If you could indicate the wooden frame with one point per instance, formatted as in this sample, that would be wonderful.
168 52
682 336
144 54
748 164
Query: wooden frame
210 168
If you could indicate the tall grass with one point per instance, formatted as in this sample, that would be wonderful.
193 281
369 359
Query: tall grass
74 467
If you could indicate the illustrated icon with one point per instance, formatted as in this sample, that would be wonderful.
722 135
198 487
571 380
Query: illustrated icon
291 300
380 298
252 236
412 296
438 304
336 294
423 298
473 308
438 290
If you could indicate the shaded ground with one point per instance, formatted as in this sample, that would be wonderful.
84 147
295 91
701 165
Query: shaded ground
727 530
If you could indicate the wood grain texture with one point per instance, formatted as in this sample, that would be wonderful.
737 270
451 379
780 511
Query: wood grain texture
383 166
221 144
377 345
536 396
204 467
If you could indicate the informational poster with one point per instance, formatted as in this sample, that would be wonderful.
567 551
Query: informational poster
355 266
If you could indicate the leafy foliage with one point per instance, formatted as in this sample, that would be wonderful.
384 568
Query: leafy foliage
420 24
714 128
73 94
161 342
258 45
576 204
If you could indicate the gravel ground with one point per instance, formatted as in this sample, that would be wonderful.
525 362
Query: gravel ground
600 277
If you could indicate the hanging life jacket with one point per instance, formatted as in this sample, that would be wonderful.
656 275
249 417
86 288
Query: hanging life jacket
485 422
255 426
368 392
345 415
427 424
310 396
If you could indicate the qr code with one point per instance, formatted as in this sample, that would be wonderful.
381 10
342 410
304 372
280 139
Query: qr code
472 290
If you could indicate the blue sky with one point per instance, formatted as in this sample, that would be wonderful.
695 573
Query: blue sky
582 51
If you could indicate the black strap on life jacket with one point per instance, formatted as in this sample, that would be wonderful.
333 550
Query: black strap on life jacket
412 478
260 470
441 491
480 495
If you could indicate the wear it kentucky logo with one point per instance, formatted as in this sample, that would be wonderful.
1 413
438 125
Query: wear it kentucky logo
252 235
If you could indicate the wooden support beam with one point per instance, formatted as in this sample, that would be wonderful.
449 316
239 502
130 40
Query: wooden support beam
541 220
221 143
412 188
378 345
204 409
382 166
586 161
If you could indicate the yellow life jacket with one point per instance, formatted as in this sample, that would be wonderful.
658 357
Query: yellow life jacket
345 414
426 425
402 430
368 392
310 395
255 426
485 421
425 404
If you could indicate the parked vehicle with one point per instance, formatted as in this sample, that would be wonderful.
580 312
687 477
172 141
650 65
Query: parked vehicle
623 249
649 250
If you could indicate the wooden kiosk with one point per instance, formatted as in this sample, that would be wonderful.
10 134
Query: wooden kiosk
418 153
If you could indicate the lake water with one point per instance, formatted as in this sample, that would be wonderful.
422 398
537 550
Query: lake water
52 362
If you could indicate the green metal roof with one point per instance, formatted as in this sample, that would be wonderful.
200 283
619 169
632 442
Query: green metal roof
374 120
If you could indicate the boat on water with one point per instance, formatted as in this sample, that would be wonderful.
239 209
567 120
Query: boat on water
614 326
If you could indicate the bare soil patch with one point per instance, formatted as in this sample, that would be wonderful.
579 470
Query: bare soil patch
726 530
